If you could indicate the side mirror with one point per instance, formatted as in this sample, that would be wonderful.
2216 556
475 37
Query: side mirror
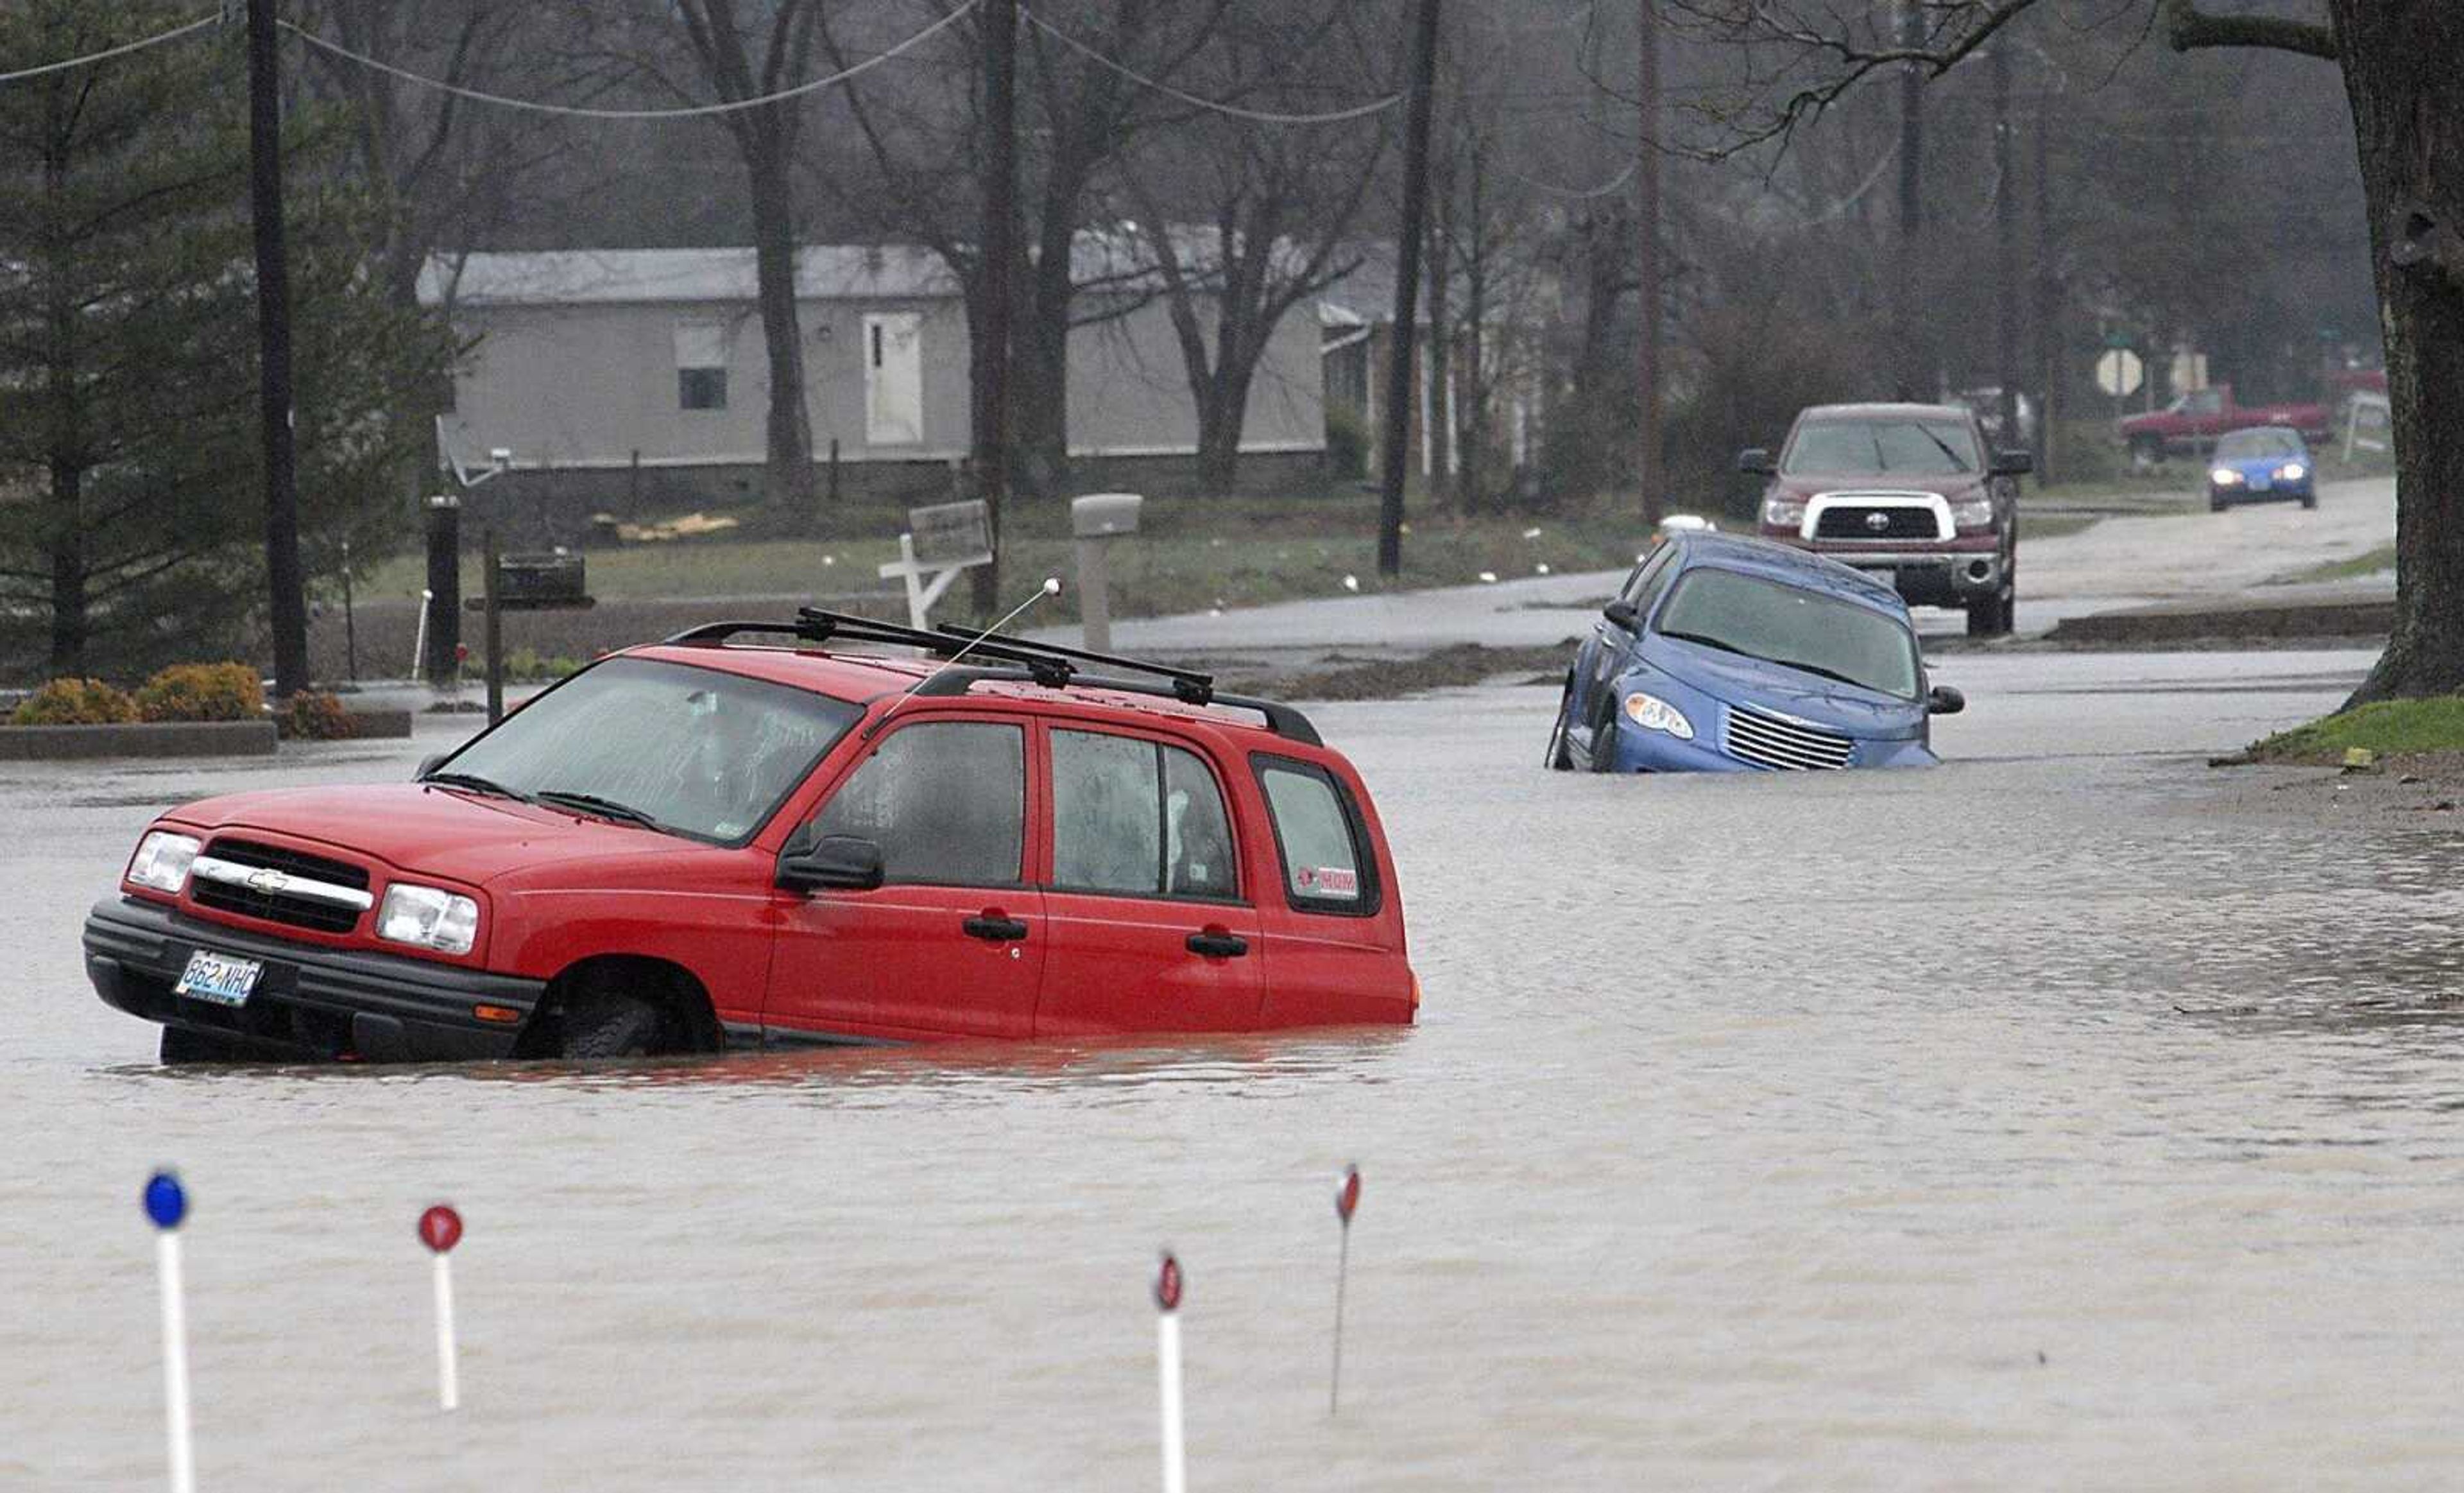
834 862
430 764
1624 614
1756 461
1942 700
2013 464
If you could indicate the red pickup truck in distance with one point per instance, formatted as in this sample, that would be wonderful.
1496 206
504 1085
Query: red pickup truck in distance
2189 425
709 844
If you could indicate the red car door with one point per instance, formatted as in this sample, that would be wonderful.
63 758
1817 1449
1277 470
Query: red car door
1333 927
1150 930
954 942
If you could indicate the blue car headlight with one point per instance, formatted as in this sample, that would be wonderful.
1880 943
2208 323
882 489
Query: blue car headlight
2292 472
2225 476
1655 714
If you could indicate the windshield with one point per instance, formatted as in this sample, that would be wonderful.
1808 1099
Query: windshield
1936 446
695 751
1791 625
2253 445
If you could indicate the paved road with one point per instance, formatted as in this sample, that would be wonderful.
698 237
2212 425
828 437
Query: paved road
2119 562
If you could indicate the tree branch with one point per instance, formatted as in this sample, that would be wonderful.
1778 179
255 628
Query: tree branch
2187 28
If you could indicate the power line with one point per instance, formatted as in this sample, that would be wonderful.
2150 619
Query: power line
175 33
695 111
1260 116
1603 189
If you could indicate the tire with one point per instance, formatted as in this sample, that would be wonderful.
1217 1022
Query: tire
1561 757
1993 615
614 1024
1604 731
182 1046
2310 500
2215 504
2147 453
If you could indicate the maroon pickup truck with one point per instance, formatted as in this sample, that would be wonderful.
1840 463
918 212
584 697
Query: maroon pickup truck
1909 494
2189 425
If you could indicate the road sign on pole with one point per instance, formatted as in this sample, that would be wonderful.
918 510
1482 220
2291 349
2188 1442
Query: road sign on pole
2119 373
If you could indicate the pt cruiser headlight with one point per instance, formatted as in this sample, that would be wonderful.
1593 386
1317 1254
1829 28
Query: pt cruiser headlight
428 916
1655 714
162 861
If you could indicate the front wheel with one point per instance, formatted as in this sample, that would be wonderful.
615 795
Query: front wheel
2147 453
2310 500
1994 615
614 1024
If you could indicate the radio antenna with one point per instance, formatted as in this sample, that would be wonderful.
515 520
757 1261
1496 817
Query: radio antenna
1051 586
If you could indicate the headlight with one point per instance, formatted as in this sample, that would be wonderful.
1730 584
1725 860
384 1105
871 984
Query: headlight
1783 512
163 860
1974 513
1655 714
2225 476
428 916
2292 473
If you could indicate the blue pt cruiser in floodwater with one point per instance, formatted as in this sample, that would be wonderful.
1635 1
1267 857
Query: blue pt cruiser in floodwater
1725 655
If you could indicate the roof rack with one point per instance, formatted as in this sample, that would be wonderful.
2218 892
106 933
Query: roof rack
1049 665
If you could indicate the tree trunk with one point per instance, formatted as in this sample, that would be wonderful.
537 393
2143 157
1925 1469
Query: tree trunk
790 452
68 571
2408 102
1439 428
1220 417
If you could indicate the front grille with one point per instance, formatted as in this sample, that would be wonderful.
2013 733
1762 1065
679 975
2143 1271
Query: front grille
301 912
1856 523
1767 741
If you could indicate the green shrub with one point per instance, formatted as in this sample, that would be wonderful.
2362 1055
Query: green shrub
310 716
1347 442
203 692
76 702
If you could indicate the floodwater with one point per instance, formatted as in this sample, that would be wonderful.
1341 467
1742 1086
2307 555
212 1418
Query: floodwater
2022 1123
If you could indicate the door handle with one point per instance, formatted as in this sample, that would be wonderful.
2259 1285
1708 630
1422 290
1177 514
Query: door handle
995 929
1216 944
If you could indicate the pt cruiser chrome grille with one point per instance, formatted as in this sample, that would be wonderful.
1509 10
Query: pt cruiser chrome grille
1767 740
280 885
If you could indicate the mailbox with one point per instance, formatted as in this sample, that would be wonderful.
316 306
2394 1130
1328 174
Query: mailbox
1103 515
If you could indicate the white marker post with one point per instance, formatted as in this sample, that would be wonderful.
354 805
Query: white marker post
440 1229
167 1205
1166 1295
1346 1198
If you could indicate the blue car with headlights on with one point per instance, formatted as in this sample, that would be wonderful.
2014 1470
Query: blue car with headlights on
1722 654
2262 464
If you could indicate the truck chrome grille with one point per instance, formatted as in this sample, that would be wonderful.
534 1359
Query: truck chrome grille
1767 741
330 897
1856 522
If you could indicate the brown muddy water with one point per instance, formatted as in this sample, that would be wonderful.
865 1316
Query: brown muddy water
2027 1123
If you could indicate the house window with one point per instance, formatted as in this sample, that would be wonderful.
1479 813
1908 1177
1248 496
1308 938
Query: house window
701 365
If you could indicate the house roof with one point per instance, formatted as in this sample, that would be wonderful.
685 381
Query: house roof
572 277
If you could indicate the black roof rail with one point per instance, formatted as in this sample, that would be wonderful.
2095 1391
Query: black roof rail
1048 665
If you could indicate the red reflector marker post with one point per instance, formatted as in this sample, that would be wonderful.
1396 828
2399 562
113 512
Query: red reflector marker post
1346 1198
440 1229
167 1205
1166 1295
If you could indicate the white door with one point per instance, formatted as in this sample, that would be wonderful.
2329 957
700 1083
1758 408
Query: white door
894 379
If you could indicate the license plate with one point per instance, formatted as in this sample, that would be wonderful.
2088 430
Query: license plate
218 978
2260 484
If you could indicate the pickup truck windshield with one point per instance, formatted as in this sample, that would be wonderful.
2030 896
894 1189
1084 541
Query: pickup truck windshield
1899 443
692 752
1788 624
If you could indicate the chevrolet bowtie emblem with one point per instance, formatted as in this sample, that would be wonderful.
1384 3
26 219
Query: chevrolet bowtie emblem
268 880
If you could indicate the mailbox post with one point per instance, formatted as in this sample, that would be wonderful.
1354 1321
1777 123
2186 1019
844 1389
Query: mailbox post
1097 520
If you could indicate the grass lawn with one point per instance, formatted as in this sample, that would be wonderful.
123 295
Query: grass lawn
2387 728
1189 556
2370 563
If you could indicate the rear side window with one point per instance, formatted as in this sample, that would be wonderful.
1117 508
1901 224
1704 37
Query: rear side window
945 801
1137 818
1321 837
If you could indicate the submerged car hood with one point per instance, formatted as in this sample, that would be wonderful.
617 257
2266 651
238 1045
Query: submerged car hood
1734 679
416 828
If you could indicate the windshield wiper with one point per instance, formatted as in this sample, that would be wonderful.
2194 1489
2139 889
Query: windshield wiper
1957 464
1709 642
473 782
592 803
1828 674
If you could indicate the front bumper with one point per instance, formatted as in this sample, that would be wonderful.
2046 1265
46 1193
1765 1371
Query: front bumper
1932 578
310 1002
2228 495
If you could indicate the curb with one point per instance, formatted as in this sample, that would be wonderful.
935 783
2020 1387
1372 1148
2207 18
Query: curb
141 739
2364 618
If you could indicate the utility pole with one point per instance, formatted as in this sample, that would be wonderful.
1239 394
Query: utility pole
2047 333
1647 267
1910 374
2006 250
1398 434
289 611
1001 222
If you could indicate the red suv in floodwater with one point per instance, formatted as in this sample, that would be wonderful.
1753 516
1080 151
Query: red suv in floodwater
699 845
